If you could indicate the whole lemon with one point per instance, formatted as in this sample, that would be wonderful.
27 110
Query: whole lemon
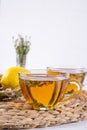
10 77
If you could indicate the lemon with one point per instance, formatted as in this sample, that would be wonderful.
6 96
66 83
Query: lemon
10 78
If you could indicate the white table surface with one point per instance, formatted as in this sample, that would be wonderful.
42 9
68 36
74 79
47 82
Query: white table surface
82 125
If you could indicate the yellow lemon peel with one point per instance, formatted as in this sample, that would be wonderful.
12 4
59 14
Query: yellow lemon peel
10 78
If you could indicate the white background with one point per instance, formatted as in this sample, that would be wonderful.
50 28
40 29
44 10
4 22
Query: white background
58 30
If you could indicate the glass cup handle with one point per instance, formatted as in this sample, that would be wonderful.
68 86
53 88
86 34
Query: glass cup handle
68 96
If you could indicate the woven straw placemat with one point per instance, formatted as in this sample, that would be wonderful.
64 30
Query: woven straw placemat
18 114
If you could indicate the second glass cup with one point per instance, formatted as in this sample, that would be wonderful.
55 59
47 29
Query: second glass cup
75 74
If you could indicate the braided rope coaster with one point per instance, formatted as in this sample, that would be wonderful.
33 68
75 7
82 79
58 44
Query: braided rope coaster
18 114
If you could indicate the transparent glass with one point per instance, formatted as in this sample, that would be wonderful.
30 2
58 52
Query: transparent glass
75 74
20 60
43 91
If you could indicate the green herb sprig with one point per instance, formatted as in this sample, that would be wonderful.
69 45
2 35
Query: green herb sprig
22 45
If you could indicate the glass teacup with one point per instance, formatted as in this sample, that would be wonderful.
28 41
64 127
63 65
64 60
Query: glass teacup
75 75
43 91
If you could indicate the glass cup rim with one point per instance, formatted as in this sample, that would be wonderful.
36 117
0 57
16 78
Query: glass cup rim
42 77
38 71
68 70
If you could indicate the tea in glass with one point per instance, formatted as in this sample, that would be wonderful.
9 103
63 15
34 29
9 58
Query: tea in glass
76 74
43 91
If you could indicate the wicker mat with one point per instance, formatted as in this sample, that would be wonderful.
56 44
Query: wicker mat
18 114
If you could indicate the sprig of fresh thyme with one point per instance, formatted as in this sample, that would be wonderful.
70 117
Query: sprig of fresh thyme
22 45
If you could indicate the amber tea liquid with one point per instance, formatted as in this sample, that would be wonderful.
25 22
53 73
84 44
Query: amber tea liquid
73 74
43 93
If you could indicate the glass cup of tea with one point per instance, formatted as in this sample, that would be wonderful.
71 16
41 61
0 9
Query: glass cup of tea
75 75
43 91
